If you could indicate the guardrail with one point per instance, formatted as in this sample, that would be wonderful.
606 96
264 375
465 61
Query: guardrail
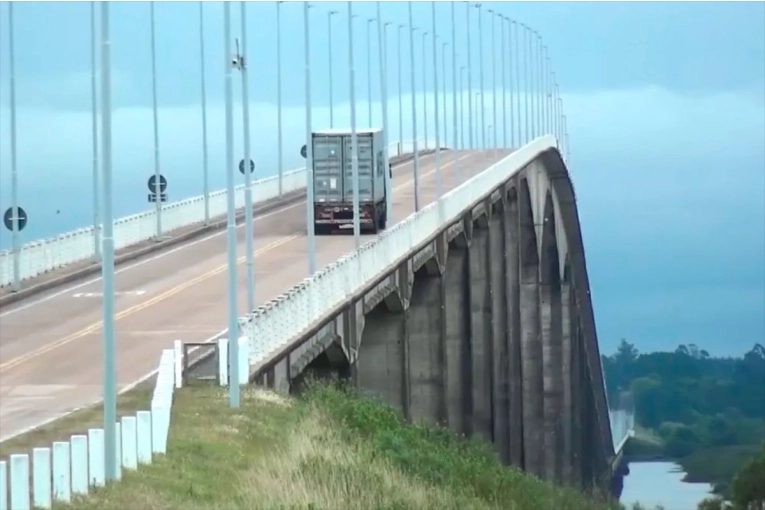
42 256
275 324
76 466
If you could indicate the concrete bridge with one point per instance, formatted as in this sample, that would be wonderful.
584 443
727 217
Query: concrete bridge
474 313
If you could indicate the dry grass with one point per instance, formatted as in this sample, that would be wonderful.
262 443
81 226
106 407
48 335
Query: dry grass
332 451
78 422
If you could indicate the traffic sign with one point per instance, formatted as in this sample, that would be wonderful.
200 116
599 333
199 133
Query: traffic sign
153 183
153 197
241 166
304 151
21 217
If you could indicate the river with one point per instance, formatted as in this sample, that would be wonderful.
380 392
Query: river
661 483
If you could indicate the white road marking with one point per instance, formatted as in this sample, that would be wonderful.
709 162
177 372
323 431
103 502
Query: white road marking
161 254
116 293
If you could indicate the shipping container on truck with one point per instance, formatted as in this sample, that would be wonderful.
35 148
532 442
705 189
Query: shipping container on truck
333 180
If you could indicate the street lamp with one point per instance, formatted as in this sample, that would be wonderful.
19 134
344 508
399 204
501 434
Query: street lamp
469 80
400 95
280 148
354 136
205 166
382 49
329 64
94 133
241 59
369 69
309 211
480 75
414 113
107 262
233 314
439 177
425 89
157 174
494 78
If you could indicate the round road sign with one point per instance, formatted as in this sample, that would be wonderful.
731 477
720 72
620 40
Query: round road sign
241 166
304 151
20 216
153 182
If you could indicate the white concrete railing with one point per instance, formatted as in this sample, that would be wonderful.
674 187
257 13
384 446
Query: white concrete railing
272 325
38 257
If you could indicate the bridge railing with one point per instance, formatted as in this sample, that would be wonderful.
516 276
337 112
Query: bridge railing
274 325
41 256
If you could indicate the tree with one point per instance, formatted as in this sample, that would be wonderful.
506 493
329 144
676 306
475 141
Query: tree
749 484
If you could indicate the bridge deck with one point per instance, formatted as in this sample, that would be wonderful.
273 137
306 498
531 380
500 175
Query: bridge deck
51 346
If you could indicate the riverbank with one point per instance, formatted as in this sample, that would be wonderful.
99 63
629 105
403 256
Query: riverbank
715 466
329 450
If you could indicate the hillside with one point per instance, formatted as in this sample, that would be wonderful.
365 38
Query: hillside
329 450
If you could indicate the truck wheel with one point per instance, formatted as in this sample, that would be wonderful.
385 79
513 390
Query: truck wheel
383 220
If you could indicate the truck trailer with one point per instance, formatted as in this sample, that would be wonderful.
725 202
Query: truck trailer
333 180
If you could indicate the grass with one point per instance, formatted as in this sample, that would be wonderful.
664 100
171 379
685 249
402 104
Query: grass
331 450
77 422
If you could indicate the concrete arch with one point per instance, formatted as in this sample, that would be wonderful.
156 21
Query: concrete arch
531 341
551 324
563 190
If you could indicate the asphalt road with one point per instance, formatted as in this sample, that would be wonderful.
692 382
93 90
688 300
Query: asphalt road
50 345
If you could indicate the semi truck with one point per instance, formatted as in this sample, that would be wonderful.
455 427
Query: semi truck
333 180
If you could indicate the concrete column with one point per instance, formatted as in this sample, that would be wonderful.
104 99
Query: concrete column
481 333
382 364
566 369
499 275
512 254
459 376
553 380
577 397
531 341
427 369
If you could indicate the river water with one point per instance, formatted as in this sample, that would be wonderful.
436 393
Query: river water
661 483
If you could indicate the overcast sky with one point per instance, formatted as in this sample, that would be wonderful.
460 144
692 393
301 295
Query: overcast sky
665 101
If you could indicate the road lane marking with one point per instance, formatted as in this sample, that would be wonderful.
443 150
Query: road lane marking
138 307
174 290
116 293
161 254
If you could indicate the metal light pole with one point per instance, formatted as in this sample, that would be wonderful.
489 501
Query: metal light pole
107 262
205 168
425 89
469 79
462 108
443 73
94 134
400 96
510 45
369 69
439 178
494 79
329 64
309 211
480 74
354 136
518 83
548 91
14 168
541 84
414 113
249 241
526 82
454 90
157 188
504 82
383 55
537 75
280 141
233 323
